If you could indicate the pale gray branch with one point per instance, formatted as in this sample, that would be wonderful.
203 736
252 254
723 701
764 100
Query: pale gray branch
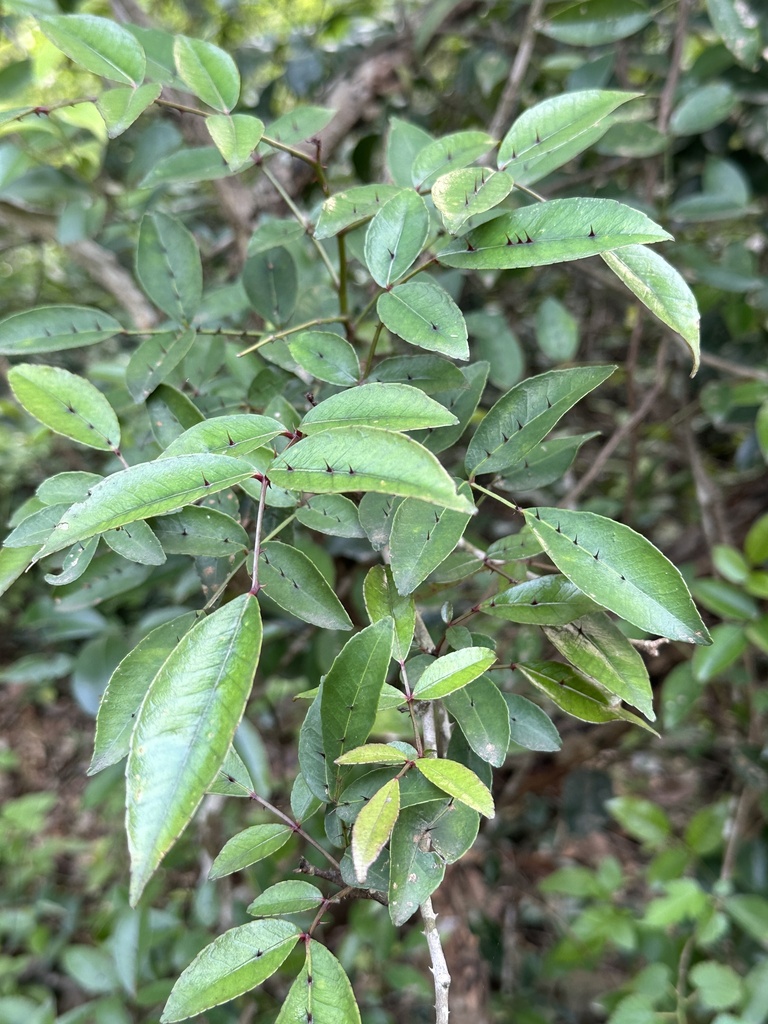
439 967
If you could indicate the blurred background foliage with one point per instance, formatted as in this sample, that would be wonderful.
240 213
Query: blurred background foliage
625 877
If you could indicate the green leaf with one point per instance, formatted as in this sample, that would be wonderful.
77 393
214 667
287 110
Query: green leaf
376 512
13 562
593 22
249 847
481 712
107 576
374 753
750 912
208 72
55 328
232 964
326 356
462 402
526 414
552 232
299 124
149 489
620 570
382 600
596 646
729 642
321 993
98 44
447 154
545 463
332 514
366 459
36 528
290 897
521 545
642 819
67 404
233 778
422 314
277 231
69 486
312 759
404 142
352 207
170 412
187 166
738 25
444 675
661 288
122 106
199 691
703 108
556 130
271 283
529 726
448 827
718 986
494 341
421 538
136 542
200 531
547 601
295 583
460 195
429 373
459 782
415 869
396 236
236 434
576 694
236 137
168 266
557 331
350 694
156 357
373 827
127 687
389 406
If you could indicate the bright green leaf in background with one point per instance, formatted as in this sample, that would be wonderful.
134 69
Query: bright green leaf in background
97 44
120 107
208 72
236 137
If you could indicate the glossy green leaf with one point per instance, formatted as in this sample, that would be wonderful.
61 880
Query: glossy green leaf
67 404
75 563
373 827
312 759
429 373
294 582
421 538
98 44
729 641
481 712
557 331
299 124
321 993
232 964
593 22
661 288
529 726
552 232
462 402
148 489
460 195
127 687
136 542
546 601
200 690
156 357
596 647
556 130
390 406
187 166
13 562
200 531
289 897
350 693
120 107
422 314
332 514
545 463
352 207
738 25
208 72
452 671
168 266
526 414
457 781
326 356
396 236
236 137
366 459
703 108
382 600
576 694
271 284
249 847
415 869
620 570
236 434
55 328
448 154
373 753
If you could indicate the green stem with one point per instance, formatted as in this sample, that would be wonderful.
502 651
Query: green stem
304 223
417 270
530 192
343 274
299 154
294 330
255 585
278 529
372 351
182 108
498 497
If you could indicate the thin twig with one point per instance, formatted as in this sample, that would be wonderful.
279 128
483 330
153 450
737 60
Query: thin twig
255 585
507 105
735 369
670 86
439 967
317 322
294 825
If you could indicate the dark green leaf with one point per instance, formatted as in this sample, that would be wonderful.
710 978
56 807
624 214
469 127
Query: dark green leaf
200 531
293 581
208 72
155 359
36 528
481 712
373 827
321 993
547 462
76 561
312 757
332 514
376 512
738 25
429 373
593 22
98 44
326 356
170 413
271 283
136 542
448 154
494 341
122 106
449 827
168 266
290 897
547 601
703 108
382 600
237 434
750 912
249 847
271 233
108 576
523 544
187 166
352 207
529 726
415 869
422 314
390 406
396 236
557 331
460 195
54 328
421 538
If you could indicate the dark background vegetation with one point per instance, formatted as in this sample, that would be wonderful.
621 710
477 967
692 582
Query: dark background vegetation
659 909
